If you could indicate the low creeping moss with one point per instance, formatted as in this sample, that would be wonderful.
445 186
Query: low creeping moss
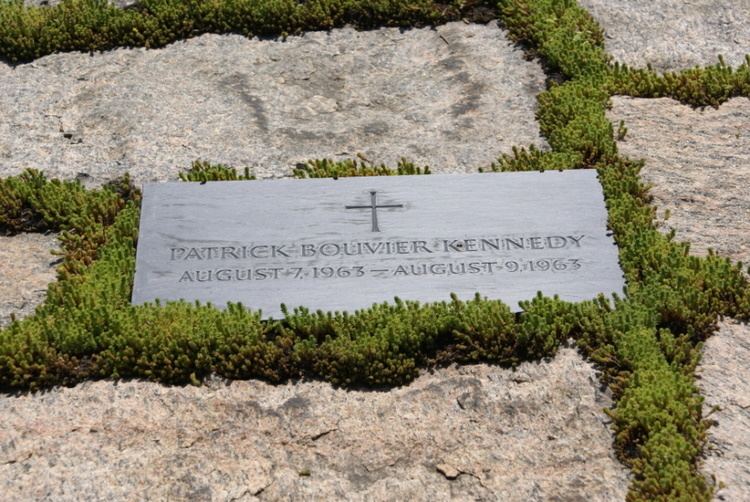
202 172
646 343
326 168
27 33
534 159
709 86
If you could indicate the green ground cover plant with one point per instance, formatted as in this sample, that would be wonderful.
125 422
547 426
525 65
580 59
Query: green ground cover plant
709 86
27 33
646 343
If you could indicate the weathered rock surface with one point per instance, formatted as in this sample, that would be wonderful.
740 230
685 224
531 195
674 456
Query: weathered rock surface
724 382
453 97
698 162
674 34
26 268
467 433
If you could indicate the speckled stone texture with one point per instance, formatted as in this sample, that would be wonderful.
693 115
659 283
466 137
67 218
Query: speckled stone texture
453 97
27 266
724 382
468 433
698 162
674 34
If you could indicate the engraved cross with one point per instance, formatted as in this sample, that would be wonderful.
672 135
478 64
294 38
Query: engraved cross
374 208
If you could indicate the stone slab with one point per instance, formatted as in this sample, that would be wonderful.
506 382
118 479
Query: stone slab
320 244
674 34
453 97
698 163
724 380
27 266
480 432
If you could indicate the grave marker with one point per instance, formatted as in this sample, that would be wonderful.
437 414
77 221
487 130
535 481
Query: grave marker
346 244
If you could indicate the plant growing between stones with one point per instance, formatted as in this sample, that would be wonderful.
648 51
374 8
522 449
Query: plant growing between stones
326 168
27 33
203 172
622 131
647 343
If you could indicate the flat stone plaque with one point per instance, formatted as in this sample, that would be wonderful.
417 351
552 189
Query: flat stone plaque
348 243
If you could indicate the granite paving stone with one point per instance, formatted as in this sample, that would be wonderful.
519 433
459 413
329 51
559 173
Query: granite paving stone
453 97
475 432
698 163
27 266
674 35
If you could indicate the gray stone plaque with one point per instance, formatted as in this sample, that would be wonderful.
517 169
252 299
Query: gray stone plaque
346 244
